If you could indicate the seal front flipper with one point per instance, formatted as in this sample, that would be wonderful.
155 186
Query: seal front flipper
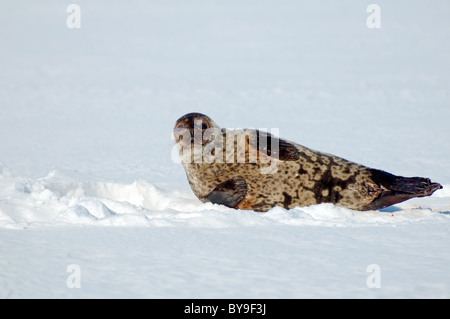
229 193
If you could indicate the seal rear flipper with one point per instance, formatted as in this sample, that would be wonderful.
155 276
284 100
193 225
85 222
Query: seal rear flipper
386 199
229 193
397 189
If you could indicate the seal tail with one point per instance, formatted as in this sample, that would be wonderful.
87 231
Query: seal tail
396 189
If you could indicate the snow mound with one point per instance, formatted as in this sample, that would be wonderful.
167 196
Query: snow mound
59 199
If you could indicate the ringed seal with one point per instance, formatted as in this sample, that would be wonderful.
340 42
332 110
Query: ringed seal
236 171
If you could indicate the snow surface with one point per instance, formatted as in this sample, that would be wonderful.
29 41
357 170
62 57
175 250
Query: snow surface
86 170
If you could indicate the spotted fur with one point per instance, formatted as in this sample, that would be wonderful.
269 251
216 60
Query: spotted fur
303 177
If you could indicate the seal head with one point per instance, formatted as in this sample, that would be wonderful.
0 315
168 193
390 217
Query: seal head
189 129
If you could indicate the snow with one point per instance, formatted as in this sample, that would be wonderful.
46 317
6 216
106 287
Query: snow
86 170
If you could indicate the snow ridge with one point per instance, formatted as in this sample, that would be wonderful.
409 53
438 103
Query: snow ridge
58 199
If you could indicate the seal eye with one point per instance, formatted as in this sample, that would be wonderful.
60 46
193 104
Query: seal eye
202 125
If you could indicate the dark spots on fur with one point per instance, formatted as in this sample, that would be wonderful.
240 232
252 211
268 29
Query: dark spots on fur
346 170
320 161
307 158
317 172
287 200
324 159
325 188
302 171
